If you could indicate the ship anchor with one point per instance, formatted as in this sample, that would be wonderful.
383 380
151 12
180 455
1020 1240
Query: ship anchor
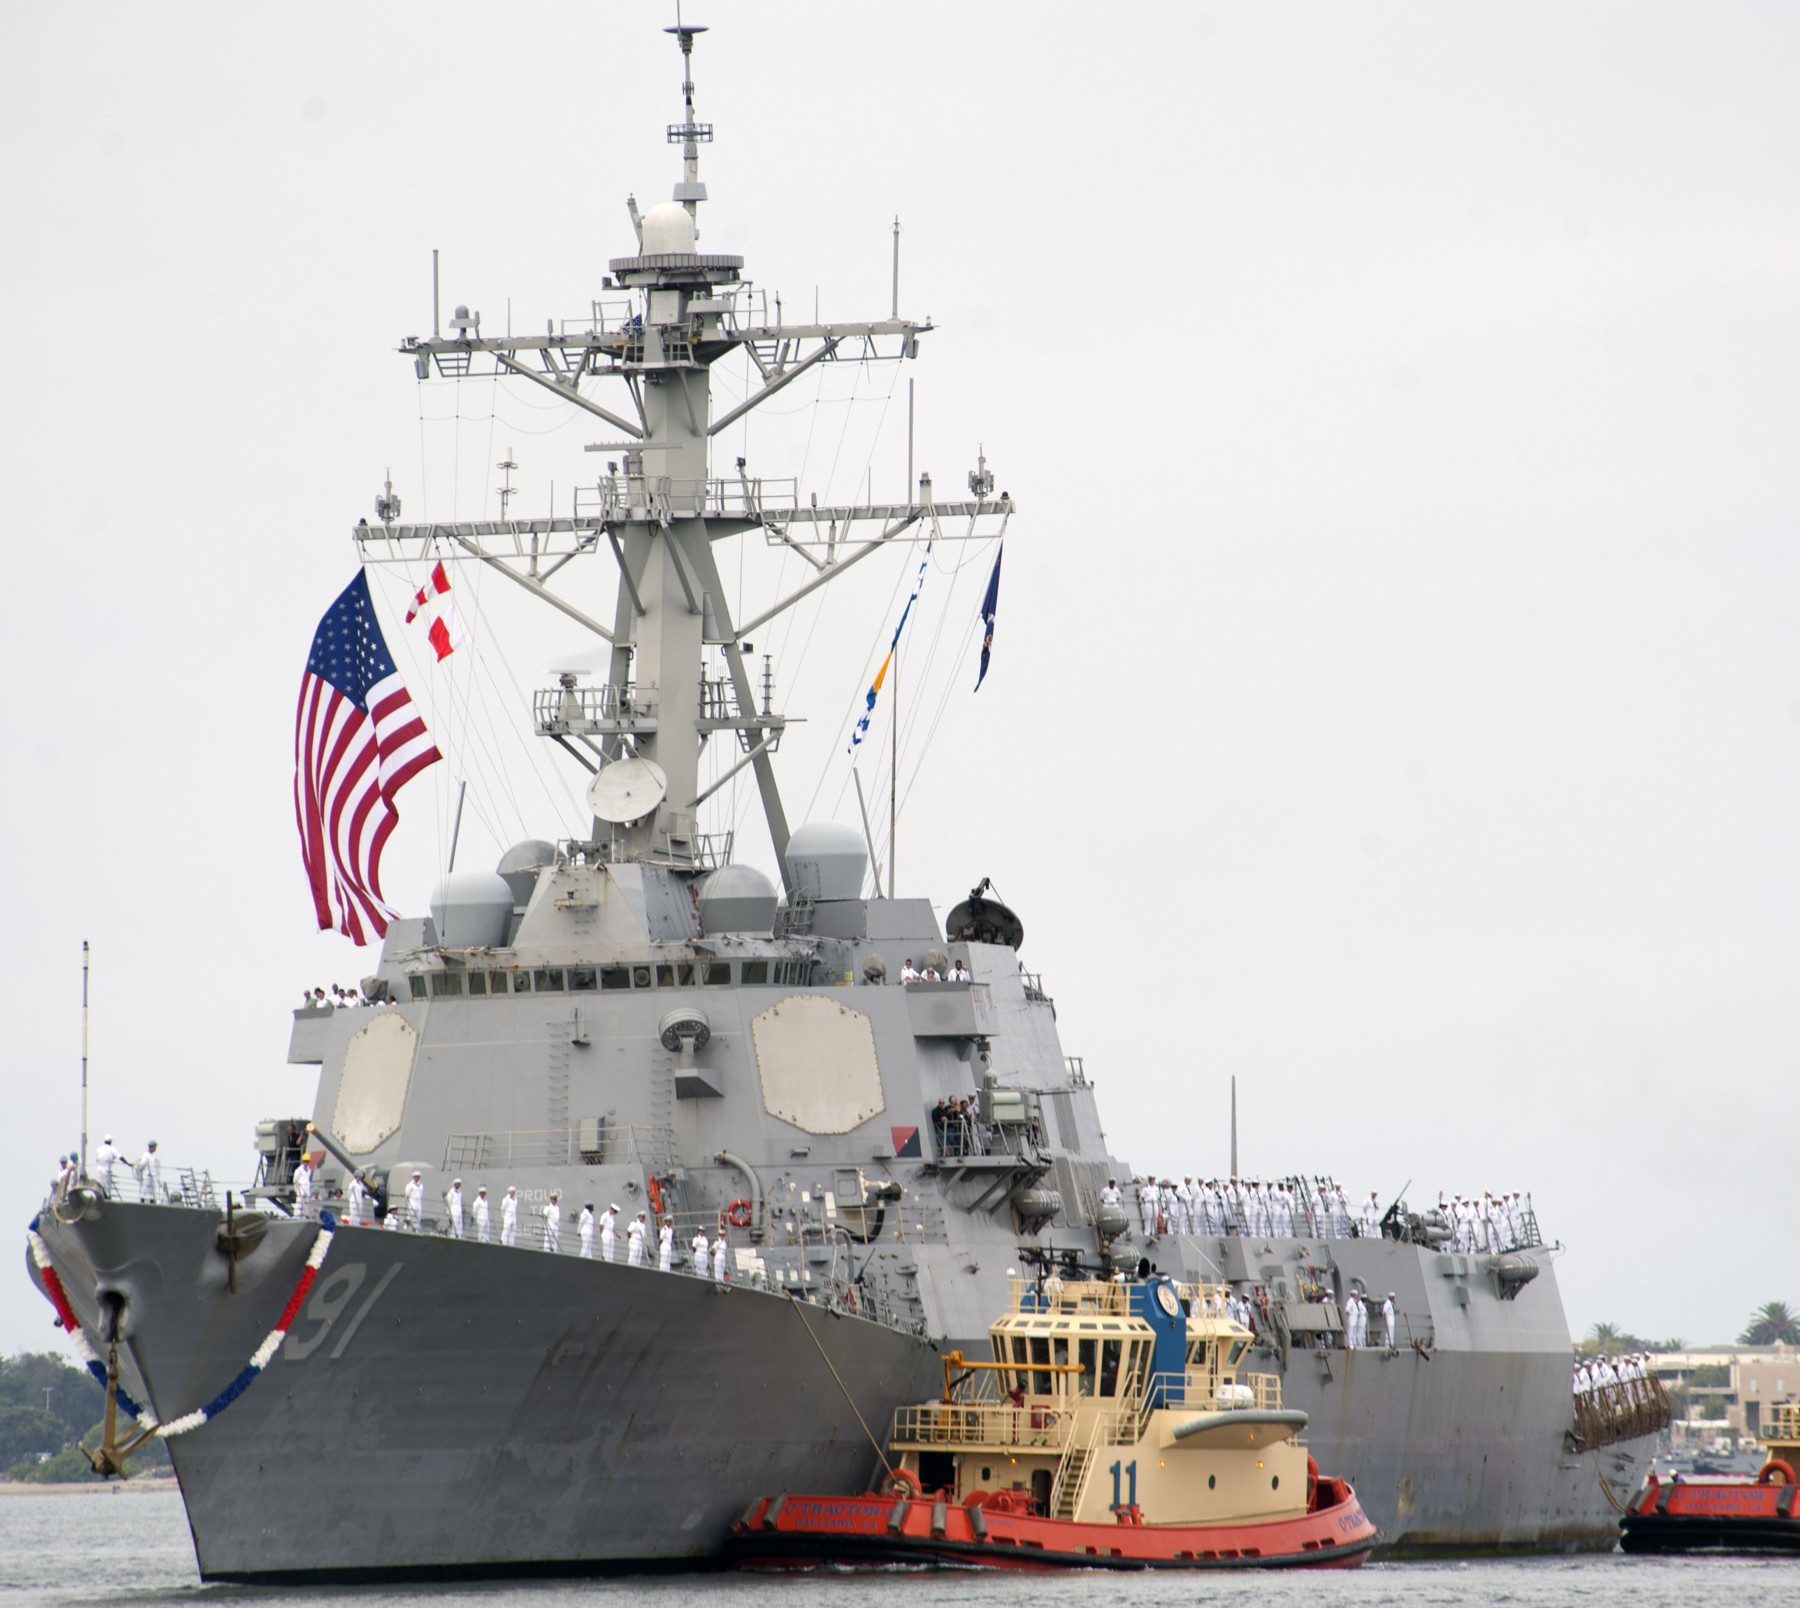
108 1458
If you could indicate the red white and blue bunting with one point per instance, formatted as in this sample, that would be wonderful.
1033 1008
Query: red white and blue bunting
260 1358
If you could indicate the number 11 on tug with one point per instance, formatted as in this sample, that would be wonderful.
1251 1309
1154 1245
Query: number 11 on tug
1111 1429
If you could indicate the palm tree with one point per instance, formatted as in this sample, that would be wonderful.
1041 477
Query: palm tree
1772 1324
1605 1340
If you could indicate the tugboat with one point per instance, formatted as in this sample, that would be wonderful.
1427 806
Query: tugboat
1723 1515
1111 1429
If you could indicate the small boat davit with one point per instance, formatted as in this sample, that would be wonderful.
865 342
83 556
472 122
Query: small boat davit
1111 1429
1724 1515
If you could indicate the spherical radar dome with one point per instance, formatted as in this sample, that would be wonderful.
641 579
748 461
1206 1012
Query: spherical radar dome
520 866
737 898
472 909
668 230
827 861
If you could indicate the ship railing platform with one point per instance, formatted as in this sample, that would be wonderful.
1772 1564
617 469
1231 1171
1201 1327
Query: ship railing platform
1608 1414
1193 1391
972 1425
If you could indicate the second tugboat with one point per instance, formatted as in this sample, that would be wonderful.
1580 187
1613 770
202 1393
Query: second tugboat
1110 1430
1724 1515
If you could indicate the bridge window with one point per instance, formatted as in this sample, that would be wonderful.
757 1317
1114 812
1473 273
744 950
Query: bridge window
548 980
417 984
756 971
615 977
445 984
1109 1367
581 979
717 972
477 983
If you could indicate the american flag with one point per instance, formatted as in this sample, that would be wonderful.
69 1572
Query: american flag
357 741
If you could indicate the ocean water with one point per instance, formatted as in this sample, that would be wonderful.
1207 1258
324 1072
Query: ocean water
81 1547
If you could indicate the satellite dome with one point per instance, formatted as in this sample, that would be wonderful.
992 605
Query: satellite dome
472 909
668 230
827 861
521 864
737 898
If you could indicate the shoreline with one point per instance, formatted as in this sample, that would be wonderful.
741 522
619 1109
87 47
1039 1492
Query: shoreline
139 1486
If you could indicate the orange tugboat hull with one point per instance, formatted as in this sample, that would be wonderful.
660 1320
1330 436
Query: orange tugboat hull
799 1532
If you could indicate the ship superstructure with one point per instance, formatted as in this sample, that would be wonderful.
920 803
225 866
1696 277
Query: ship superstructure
633 1018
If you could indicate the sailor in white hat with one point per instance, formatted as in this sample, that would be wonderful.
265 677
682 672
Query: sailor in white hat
553 1222
454 1201
480 1213
509 1216
609 1232
104 1157
634 1241
415 1201
584 1226
1388 1323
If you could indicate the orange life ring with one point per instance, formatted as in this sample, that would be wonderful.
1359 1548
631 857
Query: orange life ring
901 1484
738 1214
1775 1472
655 1195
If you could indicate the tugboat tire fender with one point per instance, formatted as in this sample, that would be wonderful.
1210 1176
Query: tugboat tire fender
1775 1472
902 1485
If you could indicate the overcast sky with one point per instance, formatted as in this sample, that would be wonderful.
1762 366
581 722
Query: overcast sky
1396 696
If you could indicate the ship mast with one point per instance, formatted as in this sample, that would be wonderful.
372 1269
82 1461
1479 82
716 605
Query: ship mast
659 509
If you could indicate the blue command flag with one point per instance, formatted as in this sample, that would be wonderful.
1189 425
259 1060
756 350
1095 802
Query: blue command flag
989 605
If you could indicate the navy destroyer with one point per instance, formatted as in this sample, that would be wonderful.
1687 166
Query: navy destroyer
633 1016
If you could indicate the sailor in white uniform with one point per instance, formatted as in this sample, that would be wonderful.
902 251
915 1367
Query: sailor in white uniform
104 1158
454 1201
480 1214
1389 1323
584 1227
665 1245
634 1241
149 1175
415 1200
609 1233
1110 1196
509 1216
700 1248
355 1194
1147 1206
303 1188
1372 1216
720 1252
552 1223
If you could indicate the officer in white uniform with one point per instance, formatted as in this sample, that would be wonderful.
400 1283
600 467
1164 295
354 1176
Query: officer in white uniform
719 1252
1147 1207
609 1233
552 1223
700 1248
454 1201
584 1226
1110 1195
415 1201
480 1214
509 1216
634 1241
355 1194
1372 1216
303 1176
665 1245
104 1158
1389 1323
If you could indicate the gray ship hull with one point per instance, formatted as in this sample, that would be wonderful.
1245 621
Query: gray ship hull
445 1409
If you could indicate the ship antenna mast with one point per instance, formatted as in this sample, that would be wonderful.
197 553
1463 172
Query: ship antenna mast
688 134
